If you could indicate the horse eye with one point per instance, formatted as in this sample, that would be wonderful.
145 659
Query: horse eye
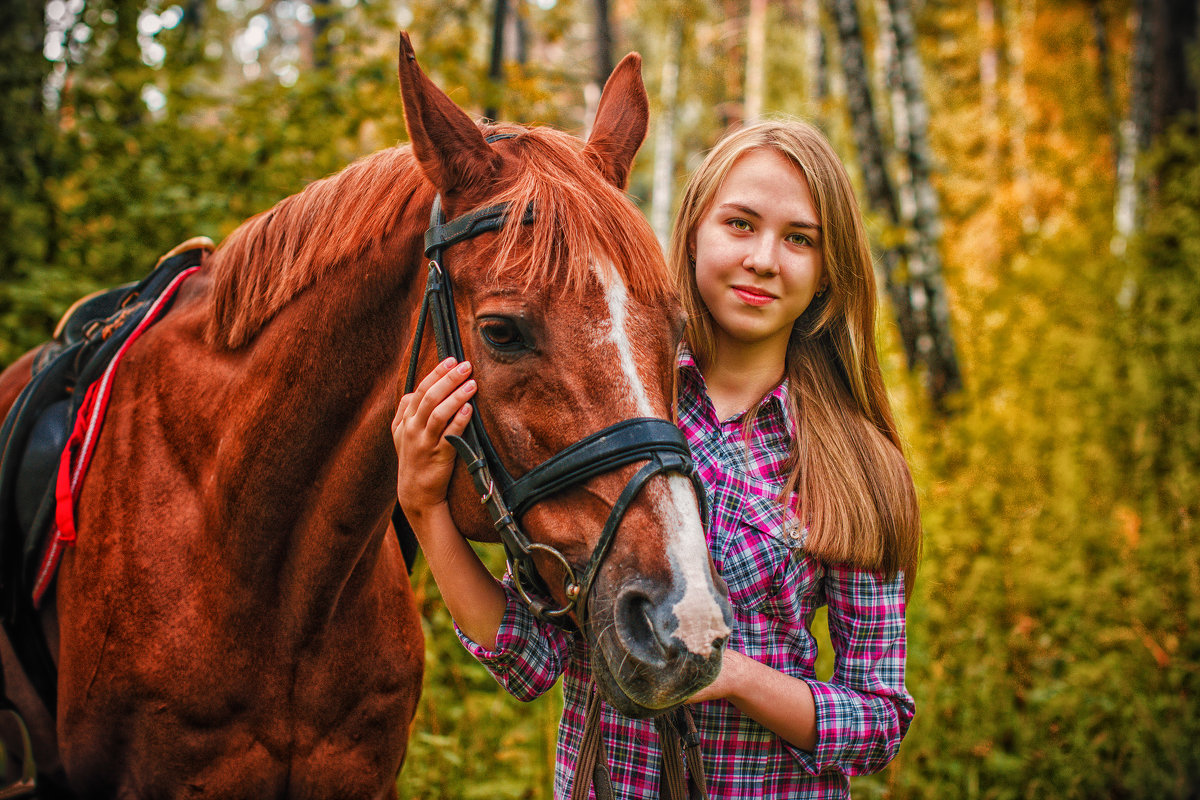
501 334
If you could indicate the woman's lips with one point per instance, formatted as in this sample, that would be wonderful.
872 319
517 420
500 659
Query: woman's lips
751 296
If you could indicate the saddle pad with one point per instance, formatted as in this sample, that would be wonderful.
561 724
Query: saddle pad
81 444
37 426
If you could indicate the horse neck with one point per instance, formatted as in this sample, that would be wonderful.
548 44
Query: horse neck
307 482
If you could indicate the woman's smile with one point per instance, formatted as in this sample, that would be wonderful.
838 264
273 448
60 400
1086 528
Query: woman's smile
753 296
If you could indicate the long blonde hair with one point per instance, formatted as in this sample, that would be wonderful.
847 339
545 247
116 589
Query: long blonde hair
855 491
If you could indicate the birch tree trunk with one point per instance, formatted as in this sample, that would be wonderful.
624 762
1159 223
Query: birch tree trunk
1017 21
1135 136
881 194
664 133
756 47
816 72
935 341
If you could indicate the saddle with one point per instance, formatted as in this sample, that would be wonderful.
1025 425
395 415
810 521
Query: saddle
36 430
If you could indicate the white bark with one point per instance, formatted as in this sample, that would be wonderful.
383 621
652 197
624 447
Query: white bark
1019 20
756 54
930 306
662 189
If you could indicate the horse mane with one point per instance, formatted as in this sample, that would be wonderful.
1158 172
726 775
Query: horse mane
579 218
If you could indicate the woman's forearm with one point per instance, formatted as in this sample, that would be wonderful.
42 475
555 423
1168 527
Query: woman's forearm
472 594
780 703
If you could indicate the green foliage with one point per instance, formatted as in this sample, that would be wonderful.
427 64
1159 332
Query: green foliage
1054 628
471 740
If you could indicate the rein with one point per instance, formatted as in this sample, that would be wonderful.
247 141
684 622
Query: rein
659 442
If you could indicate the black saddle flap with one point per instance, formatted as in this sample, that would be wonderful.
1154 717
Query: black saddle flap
39 466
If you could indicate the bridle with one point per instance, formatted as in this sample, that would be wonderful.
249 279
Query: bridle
659 442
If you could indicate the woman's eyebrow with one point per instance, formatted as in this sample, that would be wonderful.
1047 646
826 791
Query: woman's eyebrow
750 212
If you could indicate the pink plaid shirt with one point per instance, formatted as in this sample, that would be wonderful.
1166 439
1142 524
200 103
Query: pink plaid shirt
775 587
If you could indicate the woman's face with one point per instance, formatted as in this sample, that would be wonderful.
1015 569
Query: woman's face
758 253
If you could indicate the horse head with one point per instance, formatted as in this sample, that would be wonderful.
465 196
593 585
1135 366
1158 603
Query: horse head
567 312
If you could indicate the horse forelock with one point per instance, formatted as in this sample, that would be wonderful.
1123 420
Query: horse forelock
581 221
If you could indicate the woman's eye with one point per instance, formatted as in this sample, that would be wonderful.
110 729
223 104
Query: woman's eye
739 224
501 334
800 239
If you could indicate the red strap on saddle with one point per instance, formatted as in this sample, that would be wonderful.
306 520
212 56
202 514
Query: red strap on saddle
64 497
82 444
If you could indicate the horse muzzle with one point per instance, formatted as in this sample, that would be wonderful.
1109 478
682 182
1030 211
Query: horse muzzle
656 647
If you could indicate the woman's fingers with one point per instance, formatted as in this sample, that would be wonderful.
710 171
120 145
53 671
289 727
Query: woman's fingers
443 387
458 423
448 410
439 406
434 375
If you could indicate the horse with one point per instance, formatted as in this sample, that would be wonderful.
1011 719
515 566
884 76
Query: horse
235 617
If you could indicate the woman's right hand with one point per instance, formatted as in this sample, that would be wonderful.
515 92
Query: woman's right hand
436 408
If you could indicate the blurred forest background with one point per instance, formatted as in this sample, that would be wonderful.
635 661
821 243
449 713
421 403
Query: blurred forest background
1031 171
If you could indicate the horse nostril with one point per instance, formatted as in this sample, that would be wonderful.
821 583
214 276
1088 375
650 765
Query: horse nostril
640 629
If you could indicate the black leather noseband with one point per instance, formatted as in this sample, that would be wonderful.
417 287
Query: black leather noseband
655 441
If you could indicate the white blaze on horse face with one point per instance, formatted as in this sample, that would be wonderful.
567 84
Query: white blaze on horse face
699 617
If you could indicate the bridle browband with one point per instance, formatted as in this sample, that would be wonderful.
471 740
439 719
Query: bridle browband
656 441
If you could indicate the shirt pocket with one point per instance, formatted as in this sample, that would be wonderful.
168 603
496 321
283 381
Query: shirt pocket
766 543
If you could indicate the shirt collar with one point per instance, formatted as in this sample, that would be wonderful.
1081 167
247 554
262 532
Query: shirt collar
775 403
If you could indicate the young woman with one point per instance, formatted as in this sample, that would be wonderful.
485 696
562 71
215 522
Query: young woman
782 402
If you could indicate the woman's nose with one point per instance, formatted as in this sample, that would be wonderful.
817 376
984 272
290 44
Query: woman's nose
762 258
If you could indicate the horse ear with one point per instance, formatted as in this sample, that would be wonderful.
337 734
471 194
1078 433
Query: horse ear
449 147
621 120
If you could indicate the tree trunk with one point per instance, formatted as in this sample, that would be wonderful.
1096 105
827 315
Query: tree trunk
881 194
604 42
1017 21
664 134
1104 76
24 137
1174 36
756 54
126 65
496 64
935 342
816 59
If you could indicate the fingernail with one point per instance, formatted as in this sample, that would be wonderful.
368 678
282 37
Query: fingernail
448 363
469 386
464 367
465 410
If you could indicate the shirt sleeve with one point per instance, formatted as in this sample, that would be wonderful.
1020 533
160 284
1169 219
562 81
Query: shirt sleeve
865 710
529 656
